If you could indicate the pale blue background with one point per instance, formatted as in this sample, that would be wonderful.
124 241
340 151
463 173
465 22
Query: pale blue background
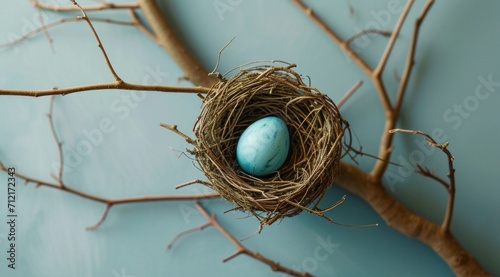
460 42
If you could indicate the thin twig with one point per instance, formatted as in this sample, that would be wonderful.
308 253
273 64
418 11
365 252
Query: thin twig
343 45
218 75
450 186
185 232
240 248
349 93
103 217
46 32
50 114
100 7
99 43
62 21
392 40
366 32
410 59
174 129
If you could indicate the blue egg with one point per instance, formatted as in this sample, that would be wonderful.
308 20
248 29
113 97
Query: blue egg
263 147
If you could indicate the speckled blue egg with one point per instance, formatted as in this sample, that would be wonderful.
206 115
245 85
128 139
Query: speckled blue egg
263 147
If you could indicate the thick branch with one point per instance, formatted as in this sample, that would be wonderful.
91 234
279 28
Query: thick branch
398 217
169 40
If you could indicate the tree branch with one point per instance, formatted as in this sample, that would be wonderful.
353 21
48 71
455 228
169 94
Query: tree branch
117 84
240 248
449 186
104 86
117 201
98 7
62 21
412 225
169 40
99 43
386 140
136 20
59 177
349 93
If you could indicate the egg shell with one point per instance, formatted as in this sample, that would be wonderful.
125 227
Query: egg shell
263 147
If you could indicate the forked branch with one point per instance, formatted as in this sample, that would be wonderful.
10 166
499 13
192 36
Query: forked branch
369 186
448 185
375 74
240 248
109 202
117 201
118 82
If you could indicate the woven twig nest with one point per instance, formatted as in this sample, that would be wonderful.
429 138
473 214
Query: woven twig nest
316 131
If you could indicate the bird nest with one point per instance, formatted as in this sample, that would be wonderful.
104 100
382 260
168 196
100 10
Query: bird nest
316 131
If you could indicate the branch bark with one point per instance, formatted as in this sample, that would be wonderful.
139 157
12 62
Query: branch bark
168 39
412 225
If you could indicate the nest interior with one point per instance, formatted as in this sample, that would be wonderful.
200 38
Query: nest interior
316 130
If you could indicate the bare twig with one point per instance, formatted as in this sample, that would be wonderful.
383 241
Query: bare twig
99 7
366 32
185 232
50 114
386 140
99 43
410 58
344 46
240 249
109 202
450 185
349 93
136 20
104 86
46 32
213 72
62 21
174 129
112 202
